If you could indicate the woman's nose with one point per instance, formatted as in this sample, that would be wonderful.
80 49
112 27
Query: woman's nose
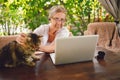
59 22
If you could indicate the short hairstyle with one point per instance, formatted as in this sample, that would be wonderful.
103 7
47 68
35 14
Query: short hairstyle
56 9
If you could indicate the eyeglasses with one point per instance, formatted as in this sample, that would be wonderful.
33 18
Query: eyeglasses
57 19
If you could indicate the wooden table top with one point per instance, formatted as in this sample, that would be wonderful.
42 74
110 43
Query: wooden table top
106 69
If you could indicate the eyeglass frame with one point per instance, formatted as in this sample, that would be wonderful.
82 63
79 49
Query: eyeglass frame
57 19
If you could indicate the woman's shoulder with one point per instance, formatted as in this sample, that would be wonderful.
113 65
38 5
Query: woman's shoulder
44 25
42 28
64 29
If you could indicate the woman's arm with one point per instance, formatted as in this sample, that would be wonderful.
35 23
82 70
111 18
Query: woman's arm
49 48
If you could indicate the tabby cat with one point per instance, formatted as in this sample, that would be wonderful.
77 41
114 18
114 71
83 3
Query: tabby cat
13 54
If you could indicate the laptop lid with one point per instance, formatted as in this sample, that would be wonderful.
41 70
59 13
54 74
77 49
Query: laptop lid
74 49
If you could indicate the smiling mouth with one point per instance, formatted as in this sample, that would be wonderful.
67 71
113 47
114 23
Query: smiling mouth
58 26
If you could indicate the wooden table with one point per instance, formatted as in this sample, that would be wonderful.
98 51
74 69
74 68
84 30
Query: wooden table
107 69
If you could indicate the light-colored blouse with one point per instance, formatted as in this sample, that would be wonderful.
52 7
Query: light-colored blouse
44 29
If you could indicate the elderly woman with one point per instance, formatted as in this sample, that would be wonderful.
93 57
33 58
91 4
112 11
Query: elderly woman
51 31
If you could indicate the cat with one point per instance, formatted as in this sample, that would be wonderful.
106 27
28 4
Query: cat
14 54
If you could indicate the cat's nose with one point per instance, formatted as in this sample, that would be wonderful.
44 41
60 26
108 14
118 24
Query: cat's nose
36 48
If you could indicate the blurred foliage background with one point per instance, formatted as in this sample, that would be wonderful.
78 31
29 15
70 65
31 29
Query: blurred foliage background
18 16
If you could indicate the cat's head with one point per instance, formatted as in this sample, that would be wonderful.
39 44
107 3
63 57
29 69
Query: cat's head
33 41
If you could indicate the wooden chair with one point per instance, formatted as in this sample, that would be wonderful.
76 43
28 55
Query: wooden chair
6 39
108 37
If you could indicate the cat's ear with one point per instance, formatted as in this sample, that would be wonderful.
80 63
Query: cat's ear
40 36
29 34
28 38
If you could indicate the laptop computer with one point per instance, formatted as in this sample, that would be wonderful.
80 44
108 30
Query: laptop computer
74 49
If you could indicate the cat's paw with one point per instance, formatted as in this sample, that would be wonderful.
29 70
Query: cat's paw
35 57
29 59
31 64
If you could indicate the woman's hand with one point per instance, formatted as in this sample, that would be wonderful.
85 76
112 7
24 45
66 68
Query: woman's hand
21 39
48 49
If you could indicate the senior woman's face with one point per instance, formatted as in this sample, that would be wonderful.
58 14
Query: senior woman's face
58 20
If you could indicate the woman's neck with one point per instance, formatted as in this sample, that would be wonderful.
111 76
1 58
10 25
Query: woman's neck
52 30
52 33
